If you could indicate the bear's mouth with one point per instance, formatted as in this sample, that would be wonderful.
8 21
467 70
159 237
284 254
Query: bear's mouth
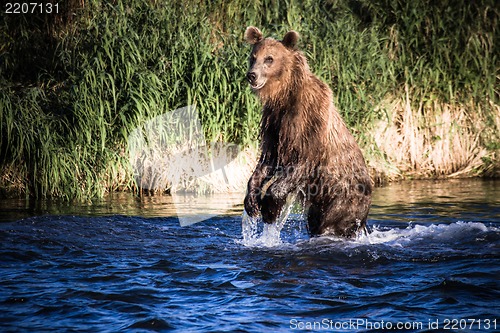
257 86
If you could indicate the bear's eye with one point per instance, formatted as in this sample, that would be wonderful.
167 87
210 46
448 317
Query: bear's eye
268 60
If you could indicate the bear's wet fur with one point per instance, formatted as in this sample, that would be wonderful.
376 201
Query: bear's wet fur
306 148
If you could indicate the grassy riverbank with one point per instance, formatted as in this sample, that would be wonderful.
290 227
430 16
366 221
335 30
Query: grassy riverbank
417 82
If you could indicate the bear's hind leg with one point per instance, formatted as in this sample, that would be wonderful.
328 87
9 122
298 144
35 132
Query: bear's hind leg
335 219
314 218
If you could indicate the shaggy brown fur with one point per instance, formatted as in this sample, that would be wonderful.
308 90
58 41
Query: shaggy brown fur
306 146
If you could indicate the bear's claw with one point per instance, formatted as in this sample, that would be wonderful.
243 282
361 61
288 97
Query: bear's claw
252 206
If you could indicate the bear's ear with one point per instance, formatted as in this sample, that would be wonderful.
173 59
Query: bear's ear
291 38
253 35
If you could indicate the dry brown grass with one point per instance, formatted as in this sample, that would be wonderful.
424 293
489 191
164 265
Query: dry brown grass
433 140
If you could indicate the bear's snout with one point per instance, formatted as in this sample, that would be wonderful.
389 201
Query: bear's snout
256 81
251 78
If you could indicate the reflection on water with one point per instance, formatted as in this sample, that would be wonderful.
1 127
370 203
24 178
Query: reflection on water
450 197
127 204
440 191
437 201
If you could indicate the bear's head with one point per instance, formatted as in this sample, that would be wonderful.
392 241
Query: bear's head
271 62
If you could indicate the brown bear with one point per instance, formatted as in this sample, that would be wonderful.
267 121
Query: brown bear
306 147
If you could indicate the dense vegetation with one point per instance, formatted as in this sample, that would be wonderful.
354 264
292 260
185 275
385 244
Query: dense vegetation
420 74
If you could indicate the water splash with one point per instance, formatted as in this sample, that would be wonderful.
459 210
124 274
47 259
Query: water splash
410 241
415 242
256 233
417 232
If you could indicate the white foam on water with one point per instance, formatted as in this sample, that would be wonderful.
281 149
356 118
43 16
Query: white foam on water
256 233
417 232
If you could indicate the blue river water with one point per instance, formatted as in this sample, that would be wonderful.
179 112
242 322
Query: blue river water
430 263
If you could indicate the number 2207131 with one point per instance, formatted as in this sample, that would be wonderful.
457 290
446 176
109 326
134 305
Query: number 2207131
31 8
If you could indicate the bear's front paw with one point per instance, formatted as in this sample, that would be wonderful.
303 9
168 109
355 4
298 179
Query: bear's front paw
271 208
252 204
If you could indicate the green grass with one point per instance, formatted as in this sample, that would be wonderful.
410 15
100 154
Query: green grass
74 85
